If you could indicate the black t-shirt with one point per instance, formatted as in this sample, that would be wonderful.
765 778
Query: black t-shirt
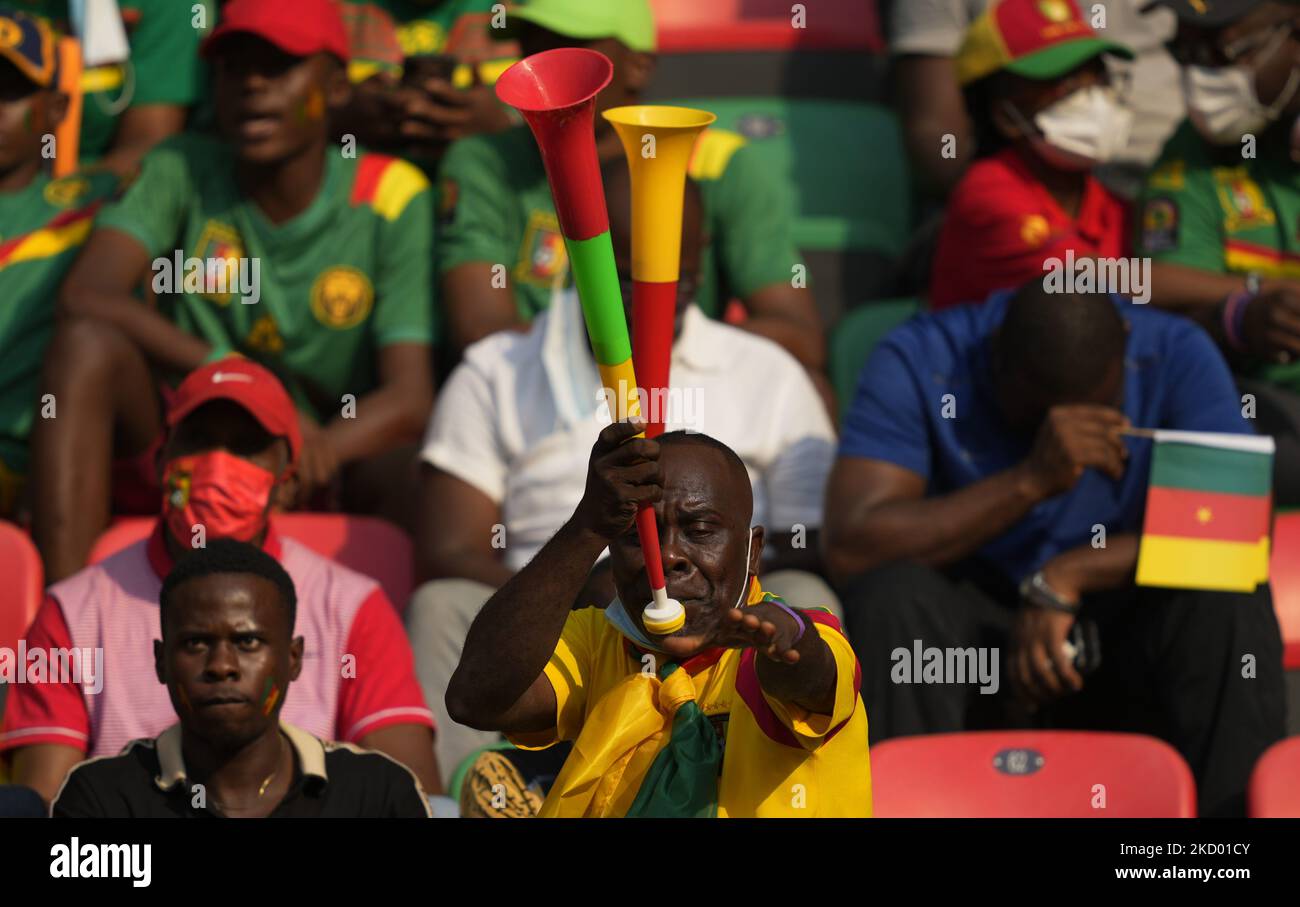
330 781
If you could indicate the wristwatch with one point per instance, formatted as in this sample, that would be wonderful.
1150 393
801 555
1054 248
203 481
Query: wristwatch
1035 590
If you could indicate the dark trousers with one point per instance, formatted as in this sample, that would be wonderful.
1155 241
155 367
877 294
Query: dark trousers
1171 666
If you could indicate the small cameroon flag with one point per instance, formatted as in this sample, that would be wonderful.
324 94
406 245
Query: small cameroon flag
1208 512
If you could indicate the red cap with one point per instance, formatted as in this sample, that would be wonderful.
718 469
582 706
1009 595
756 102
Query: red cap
244 382
297 27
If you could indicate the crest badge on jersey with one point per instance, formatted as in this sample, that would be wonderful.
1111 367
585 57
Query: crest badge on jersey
264 336
1034 230
543 257
222 243
1243 201
66 192
1160 225
342 297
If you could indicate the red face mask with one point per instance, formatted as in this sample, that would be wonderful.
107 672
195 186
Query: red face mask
225 494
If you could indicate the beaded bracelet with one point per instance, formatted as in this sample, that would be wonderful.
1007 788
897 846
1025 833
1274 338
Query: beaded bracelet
1234 318
793 613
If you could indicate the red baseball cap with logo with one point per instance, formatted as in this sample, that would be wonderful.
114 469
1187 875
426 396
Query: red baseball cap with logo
297 27
1037 39
246 383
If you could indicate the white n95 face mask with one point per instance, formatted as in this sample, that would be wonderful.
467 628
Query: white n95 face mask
1085 128
1222 101
1224 106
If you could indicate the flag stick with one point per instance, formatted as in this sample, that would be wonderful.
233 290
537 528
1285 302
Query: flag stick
1139 432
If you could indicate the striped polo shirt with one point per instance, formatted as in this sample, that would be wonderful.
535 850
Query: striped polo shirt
358 674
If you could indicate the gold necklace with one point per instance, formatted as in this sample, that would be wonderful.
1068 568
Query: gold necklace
266 782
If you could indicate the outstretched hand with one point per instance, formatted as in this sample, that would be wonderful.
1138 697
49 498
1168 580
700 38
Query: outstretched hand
762 626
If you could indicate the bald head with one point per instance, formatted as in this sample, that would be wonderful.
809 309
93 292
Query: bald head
732 478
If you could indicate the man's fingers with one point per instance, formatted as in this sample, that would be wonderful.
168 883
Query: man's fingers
418 130
1106 416
645 472
1102 454
614 434
1285 316
1283 340
1045 680
746 630
631 453
1065 668
642 494
420 107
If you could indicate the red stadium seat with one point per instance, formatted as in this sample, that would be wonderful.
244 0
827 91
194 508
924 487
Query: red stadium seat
1274 791
24 577
368 545
731 25
1030 774
1284 571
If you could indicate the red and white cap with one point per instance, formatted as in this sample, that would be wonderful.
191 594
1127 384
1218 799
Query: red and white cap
244 382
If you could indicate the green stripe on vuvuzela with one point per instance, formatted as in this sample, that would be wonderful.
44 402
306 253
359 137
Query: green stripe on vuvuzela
1205 468
594 271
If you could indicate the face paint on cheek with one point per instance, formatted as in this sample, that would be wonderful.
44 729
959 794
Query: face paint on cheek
270 696
313 108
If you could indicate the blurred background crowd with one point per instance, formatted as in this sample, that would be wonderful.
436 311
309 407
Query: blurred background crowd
289 259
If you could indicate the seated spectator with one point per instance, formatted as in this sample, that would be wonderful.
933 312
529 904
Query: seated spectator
233 447
313 262
926 34
774 686
1220 210
497 207
129 106
228 658
503 459
423 74
981 461
1046 115
45 221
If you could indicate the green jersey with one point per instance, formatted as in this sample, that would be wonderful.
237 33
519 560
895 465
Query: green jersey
1222 213
496 207
329 288
382 33
41 229
164 68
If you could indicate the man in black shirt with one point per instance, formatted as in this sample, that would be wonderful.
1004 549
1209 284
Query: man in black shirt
227 656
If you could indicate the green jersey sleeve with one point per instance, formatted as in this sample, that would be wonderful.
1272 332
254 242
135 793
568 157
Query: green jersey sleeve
1181 221
165 51
153 208
475 203
404 310
750 213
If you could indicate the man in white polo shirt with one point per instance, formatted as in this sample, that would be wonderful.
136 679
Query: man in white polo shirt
232 444
505 456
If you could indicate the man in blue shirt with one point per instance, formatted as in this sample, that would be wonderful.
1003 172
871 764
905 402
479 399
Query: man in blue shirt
986 496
